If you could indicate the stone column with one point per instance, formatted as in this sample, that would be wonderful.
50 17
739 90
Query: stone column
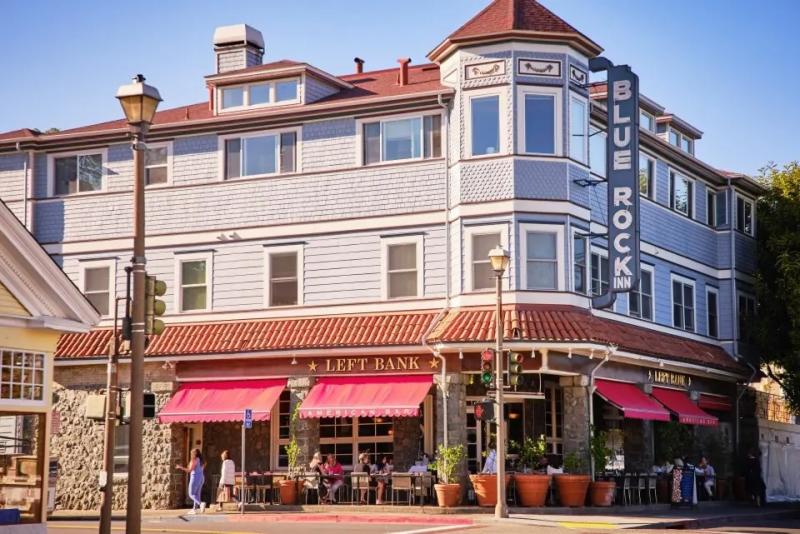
407 437
306 430
576 416
638 444
456 415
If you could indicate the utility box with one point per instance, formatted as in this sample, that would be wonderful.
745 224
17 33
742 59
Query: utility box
95 407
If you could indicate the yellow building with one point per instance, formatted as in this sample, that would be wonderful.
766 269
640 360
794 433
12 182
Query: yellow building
37 304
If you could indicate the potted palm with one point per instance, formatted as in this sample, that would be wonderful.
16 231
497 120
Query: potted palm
574 482
485 485
532 487
289 487
601 491
448 462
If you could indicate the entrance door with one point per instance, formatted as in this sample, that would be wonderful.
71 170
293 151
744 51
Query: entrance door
193 439
477 433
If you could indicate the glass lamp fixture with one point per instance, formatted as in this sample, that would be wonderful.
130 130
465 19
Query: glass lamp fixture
139 101
498 257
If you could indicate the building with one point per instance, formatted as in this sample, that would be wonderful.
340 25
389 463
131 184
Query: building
37 304
326 236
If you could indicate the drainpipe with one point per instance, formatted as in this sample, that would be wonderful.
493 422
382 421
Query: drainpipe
739 396
731 220
611 350
27 167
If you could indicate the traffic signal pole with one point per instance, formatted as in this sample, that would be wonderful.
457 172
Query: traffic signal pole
111 425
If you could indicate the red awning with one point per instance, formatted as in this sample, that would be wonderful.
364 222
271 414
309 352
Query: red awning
681 405
205 402
634 403
366 396
719 403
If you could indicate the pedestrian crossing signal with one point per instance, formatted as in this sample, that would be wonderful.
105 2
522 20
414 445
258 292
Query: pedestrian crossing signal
484 410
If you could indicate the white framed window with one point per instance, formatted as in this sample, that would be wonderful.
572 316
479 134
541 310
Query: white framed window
478 241
647 120
486 133
745 215
193 272
542 256
746 311
683 303
681 141
22 375
597 150
681 198
580 262
640 298
647 175
402 266
599 272
578 129
711 207
258 94
258 154
158 164
283 275
97 280
400 138
77 172
712 311
540 123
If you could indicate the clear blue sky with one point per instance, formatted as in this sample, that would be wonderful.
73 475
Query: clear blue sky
727 66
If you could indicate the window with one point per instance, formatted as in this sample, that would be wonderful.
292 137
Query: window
711 208
21 375
640 299
686 144
681 141
597 151
541 260
156 165
485 126
681 197
674 138
284 274
483 276
259 94
647 121
712 311
286 91
577 129
121 448
599 273
744 215
722 208
81 173
647 173
554 420
683 304
401 139
402 267
232 97
194 288
540 125
746 312
579 246
260 154
97 283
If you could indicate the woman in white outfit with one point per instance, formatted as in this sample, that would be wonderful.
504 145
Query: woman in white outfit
227 480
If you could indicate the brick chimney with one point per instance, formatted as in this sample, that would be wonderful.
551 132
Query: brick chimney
359 65
403 78
237 47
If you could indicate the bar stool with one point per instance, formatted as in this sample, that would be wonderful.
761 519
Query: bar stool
652 494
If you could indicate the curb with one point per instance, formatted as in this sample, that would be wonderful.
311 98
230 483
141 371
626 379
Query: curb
705 522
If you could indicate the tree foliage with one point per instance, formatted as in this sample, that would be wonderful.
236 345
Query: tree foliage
777 324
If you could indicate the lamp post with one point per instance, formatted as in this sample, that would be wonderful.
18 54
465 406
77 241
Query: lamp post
139 102
498 257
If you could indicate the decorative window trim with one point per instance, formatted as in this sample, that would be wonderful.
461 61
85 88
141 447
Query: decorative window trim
398 116
502 103
180 258
648 269
111 264
652 120
281 249
469 233
386 242
692 193
558 128
246 95
587 109
51 171
715 291
45 385
298 149
168 145
687 281
524 229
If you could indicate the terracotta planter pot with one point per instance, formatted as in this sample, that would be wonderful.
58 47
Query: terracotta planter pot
602 492
532 488
572 489
485 486
448 495
288 491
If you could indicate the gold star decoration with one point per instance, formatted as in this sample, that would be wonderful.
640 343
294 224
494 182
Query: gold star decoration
312 366
434 363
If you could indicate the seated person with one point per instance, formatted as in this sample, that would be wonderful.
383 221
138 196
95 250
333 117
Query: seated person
705 468
314 482
384 474
490 466
364 467
334 477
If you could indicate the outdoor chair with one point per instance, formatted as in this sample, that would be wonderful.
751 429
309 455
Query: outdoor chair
359 482
264 488
311 482
249 489
652 494
402 482
423 487
641 488
276 479
626 490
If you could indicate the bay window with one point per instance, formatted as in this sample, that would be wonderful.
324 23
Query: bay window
260 154
401 139
485 125
578 134
597 151
579 246
482 274
542 257
539 125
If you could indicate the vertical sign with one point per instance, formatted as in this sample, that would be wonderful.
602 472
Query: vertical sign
248 418
622 170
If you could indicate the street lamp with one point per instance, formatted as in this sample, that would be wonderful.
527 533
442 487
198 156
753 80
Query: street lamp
499 258
139 102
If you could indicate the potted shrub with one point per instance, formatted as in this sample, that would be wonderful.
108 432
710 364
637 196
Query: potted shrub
532 487
574 483
289 488
485 486
601 491
448 462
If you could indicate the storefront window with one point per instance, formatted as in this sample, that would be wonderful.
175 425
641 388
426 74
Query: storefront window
21 468
346 437
21 375
554 420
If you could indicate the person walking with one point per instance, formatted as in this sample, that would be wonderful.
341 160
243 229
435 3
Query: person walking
196 480
754 484
227 480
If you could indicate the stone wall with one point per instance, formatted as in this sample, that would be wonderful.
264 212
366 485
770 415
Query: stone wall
218 437
306 430
576 416
407 442
456 408
638 444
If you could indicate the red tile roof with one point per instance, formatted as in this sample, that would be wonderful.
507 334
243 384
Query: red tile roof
255 336
22 133
566 323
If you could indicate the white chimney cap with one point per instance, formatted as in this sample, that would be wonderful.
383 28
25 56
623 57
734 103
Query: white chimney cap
238 34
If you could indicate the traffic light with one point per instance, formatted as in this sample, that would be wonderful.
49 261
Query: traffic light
154 307
484 410
514 368
148 406
487 373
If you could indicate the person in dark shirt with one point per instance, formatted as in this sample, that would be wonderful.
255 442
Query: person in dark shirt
754 484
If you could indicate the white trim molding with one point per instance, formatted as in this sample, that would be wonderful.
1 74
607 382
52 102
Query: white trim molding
469 233
111 265
180 259
419 242
558 126
51 171
558 231
300 271
503 133
687 282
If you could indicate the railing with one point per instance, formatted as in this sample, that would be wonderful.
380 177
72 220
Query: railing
773 408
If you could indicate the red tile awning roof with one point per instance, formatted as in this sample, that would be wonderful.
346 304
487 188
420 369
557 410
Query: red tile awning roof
397 329
570 324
